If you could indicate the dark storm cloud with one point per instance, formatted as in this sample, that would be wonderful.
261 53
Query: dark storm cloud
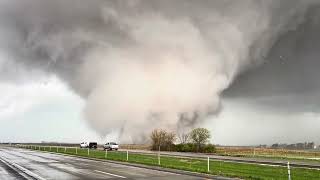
289 76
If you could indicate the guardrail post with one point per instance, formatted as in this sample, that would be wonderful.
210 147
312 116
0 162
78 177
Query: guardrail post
88 151
289 174
65 149
76 150
208 164
57 149
106 155
50 148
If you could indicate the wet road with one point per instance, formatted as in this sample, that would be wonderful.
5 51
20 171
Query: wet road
7 173
52 166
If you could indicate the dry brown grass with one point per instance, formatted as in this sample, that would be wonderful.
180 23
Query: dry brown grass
250 151
135 146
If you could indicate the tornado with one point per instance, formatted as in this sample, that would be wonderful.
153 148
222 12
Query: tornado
143 64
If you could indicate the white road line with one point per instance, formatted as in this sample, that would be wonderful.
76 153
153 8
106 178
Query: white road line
26 171
110 174
15 169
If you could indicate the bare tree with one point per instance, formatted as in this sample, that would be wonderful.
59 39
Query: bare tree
162 140
184 137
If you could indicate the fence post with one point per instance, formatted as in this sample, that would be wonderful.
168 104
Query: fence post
159 163
106 155
208 164
289 174
127 155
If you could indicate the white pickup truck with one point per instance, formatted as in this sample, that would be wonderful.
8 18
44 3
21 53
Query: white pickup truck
111 146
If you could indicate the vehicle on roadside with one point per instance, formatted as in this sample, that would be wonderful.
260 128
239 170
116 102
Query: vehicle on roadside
111 146
83 145
90 145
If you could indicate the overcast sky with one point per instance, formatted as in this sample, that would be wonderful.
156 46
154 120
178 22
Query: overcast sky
43 110
278 101
75 73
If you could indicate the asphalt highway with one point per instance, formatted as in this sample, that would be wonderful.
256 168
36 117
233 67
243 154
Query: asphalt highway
25 164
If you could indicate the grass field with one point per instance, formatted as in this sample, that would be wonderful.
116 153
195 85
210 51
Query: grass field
229 169
250 152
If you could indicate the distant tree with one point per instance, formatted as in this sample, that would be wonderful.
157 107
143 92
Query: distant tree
162 140
200 136
275 145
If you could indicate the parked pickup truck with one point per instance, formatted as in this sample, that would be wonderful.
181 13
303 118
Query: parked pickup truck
111 146
91 145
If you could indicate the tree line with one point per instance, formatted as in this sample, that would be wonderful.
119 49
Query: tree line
197 140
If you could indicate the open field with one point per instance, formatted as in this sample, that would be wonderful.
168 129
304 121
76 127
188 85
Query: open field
268 152
304 155
216 167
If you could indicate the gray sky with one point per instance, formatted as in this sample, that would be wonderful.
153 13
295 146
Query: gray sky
246 70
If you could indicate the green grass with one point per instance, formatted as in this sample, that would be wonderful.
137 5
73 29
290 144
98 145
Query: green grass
230 169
